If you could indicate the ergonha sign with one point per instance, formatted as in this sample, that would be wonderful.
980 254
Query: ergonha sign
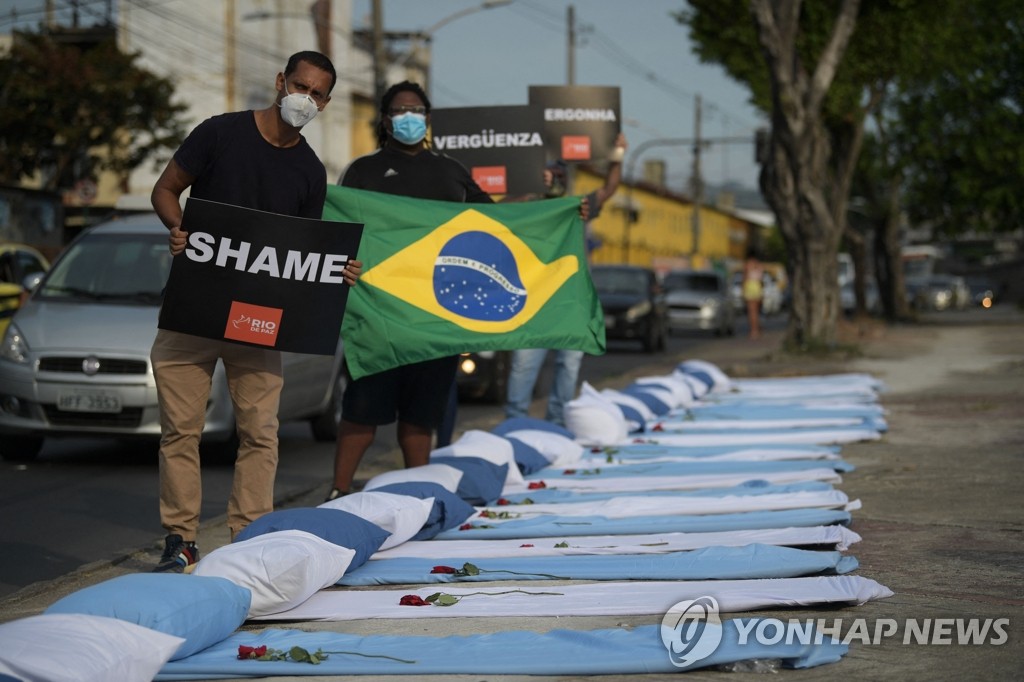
580 122
259 278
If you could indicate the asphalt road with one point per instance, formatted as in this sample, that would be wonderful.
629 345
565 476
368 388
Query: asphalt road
88 500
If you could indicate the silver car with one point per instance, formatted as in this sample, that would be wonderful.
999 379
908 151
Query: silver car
699 300
74 361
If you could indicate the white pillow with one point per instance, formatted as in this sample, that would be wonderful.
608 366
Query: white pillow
621 398
282 569
682 395
661 393
485 445
721 379
699 388
594 419
446 476
554 447
76 647
401 515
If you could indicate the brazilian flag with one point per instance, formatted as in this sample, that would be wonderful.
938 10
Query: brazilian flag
442 278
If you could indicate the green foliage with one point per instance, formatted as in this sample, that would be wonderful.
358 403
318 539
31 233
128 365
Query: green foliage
70 111
958 125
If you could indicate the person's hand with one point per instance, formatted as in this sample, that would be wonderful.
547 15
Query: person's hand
619 152
352 270
177 240
549 178
584 209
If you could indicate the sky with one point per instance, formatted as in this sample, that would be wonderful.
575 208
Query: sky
487 57
491 57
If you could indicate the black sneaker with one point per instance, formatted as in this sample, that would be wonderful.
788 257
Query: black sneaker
178 555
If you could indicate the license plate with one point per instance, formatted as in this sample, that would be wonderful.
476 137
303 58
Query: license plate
89 401
609 322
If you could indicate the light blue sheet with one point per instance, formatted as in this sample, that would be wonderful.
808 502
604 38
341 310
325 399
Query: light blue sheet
754 410
647 450
568 526
557 652
754 487
708 563
593 470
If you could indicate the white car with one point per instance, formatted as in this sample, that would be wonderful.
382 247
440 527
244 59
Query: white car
75 359
698 300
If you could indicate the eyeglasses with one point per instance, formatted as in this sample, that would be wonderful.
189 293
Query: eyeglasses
407 109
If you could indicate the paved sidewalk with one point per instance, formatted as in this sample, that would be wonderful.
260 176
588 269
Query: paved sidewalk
941 519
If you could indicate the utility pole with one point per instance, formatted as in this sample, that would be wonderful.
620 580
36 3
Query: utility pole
570 18
229 54
696 182
379 57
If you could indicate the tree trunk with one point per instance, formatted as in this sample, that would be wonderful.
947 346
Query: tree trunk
795 178
889 262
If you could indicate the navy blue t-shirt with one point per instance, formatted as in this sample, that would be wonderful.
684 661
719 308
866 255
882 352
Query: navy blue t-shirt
234 164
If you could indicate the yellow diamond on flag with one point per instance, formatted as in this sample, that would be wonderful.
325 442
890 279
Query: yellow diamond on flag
474 272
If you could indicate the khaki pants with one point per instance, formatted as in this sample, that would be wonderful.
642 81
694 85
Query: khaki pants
183 366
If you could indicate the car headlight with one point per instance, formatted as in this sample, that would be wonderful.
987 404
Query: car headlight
467 365
14 348
637 311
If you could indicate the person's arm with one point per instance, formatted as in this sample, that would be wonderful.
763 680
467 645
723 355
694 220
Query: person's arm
166 200
614 176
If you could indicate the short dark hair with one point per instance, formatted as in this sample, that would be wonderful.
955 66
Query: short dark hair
316 59
385 105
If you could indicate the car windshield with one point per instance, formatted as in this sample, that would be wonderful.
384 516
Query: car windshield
111 267
612 281
691 281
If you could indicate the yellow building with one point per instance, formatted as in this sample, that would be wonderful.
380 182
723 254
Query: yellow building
644 224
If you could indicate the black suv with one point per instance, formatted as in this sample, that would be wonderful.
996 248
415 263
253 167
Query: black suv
634 304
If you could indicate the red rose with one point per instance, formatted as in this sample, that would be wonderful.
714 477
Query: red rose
569 472
466 526
657 427
526 545
442 569
413 600
595 449
246 652
502 502
535 485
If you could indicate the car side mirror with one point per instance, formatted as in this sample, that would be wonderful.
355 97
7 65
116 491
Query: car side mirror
32 281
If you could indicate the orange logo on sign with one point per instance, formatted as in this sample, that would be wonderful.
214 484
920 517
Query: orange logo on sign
576 148
492 179
253 323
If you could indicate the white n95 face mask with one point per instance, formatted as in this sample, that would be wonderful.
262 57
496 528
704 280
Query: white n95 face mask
297 110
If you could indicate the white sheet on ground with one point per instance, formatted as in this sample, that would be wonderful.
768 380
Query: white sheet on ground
593 599
627 506
643 483
792 436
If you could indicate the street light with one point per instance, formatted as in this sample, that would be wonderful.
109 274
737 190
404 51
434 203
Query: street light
427 35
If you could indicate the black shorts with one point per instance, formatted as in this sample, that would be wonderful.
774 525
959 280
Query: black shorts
416 394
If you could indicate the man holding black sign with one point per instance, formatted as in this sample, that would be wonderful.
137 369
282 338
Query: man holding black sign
259 160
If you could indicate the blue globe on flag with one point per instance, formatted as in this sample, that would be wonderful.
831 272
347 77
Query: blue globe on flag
476 276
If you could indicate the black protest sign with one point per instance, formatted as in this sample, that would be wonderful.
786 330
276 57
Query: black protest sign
259 278
503 147
581 122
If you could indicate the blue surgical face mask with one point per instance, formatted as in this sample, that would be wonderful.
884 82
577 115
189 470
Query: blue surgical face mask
409 128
